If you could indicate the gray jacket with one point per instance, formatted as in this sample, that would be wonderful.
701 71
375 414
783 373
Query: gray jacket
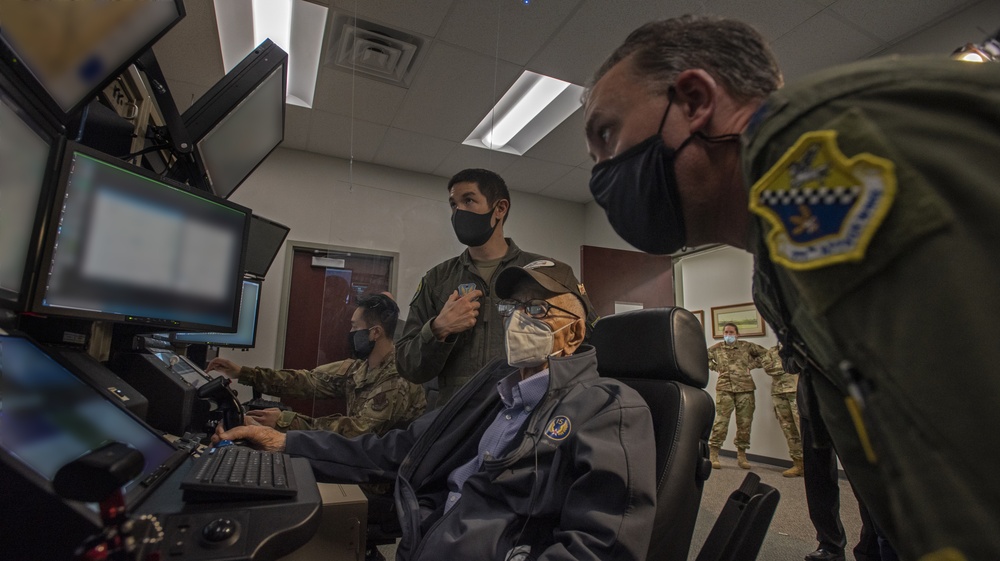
577 483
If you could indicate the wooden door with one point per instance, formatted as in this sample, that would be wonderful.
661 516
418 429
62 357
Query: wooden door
626 278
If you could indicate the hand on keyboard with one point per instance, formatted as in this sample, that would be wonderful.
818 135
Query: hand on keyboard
261 438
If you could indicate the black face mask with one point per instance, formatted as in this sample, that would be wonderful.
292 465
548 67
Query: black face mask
473 229
361 346
638 191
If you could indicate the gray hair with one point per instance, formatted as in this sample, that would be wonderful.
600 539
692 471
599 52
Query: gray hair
732 52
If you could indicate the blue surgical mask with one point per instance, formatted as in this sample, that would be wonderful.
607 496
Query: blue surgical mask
729 339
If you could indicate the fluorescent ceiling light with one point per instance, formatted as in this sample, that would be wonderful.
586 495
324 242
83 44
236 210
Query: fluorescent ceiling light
245 24
530 109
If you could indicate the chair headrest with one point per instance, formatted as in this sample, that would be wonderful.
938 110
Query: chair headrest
655 343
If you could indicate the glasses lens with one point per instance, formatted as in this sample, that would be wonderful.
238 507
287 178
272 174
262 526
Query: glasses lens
536 308
506 307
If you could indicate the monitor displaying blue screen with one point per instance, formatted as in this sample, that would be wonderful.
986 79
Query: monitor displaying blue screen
246 329
128 247
49 417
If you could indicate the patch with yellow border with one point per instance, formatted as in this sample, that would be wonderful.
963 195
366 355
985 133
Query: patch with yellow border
559 428
824 207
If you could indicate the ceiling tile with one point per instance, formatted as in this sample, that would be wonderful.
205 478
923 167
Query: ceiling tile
332 135
574 186
185 93
890 19
532 176
424 16
971 25
190 52
297 121
594 31
340 93
409 150
773 18
566 144
465 157
453 92
820 42
524 26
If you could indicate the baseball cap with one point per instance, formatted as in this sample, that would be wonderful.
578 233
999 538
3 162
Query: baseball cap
554 276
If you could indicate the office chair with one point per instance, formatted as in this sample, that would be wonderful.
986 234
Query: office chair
661 353
742 525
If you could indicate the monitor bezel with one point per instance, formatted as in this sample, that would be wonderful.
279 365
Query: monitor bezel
11 60
226 95
52 227
138 493
42 125
209 342
274 255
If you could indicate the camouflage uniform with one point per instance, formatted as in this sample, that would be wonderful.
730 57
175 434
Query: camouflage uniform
377 400
783 388
734 389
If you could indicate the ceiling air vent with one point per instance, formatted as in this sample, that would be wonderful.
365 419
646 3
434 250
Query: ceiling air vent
373 50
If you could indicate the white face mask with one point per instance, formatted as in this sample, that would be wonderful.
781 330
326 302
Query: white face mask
729 339
528 340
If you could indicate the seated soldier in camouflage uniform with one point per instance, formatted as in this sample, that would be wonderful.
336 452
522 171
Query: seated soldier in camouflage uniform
378 399
783 387
733 359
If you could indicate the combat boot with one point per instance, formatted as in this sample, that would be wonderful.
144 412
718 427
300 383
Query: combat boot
795 470
713 455
741 459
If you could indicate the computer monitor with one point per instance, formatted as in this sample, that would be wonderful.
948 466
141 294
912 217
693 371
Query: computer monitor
241 119
66 52
246 330
51 417
124 245
28 150
265 240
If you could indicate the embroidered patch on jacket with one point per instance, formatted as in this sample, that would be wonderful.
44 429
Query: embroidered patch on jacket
823 206
380 402
558 428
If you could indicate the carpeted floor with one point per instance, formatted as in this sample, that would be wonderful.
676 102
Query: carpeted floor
791 535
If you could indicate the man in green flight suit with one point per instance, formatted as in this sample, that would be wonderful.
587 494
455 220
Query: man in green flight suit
868 196
786 410
378 399
453 328
734 390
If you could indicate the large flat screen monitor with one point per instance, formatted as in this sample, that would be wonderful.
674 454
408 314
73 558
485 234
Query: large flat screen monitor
246 330
50 417
28 150
125 246
241 119
65 52
265 240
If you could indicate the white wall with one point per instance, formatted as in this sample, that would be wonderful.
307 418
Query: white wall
324 201
720 277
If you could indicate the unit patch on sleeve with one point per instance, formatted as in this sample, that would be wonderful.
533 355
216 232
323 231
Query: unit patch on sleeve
558 428
823 207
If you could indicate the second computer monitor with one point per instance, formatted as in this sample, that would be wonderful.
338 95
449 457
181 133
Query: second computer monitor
246 329
126 246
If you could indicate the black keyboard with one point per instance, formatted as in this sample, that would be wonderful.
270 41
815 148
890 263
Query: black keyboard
258 403
238 472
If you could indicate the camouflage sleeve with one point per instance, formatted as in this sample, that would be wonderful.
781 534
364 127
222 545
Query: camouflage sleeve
324 381
420 357
713 363
290 420
390 405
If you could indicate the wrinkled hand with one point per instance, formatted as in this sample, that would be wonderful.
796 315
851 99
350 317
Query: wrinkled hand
458 314
266 417
228 368
256 436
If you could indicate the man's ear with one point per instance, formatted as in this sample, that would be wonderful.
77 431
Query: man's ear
578 330
697 93
503 205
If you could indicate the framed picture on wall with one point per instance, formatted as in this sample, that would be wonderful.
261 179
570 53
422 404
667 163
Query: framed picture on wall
700 314
746 317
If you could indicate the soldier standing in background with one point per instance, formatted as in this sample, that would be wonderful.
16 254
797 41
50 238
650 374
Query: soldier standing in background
783 387
733 359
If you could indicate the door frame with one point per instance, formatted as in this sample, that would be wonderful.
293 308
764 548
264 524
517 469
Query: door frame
286 282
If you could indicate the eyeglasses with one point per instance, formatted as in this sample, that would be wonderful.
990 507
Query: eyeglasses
535 308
